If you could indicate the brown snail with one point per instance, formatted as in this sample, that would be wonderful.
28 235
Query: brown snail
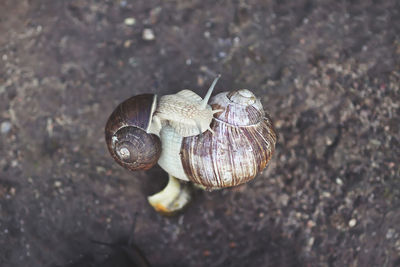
215 144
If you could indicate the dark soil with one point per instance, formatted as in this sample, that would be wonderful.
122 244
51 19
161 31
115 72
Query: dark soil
328 72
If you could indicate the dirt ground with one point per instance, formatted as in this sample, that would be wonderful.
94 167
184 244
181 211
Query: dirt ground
328 72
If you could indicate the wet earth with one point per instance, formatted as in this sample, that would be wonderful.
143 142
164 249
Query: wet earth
328 72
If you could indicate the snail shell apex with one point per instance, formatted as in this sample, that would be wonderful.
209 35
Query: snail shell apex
127 133
240 108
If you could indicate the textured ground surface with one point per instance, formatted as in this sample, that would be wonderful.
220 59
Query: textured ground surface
327 71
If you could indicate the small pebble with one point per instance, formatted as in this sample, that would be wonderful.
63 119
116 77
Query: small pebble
133 62
57 184
326 194
222 54
12 191
310 224
148 35
130 21
283 199
5 127
328 141
154 14
352 222
310 242
390 233
100 169
339 181
127 43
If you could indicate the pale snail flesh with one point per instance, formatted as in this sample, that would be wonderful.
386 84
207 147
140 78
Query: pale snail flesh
223 143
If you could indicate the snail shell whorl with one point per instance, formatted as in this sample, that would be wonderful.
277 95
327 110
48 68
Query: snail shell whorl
127 135
241 146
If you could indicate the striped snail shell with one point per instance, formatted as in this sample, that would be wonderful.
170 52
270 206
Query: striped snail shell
128 135
238 146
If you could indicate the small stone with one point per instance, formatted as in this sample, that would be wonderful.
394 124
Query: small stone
154 14
130 21
397 245
200 81
328 141
5 127
57 184
390 233
284 199
339 181
326 194
207 34
222 54
148 35
12 191
375 142
133 62
310 242
100 169
279 123
127 43
352 222
310 224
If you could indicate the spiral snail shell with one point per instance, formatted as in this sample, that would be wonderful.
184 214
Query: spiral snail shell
127 133
215 142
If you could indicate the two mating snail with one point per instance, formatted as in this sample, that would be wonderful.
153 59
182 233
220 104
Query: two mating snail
215 142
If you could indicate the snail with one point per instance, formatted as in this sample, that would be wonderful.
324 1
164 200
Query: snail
215 142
